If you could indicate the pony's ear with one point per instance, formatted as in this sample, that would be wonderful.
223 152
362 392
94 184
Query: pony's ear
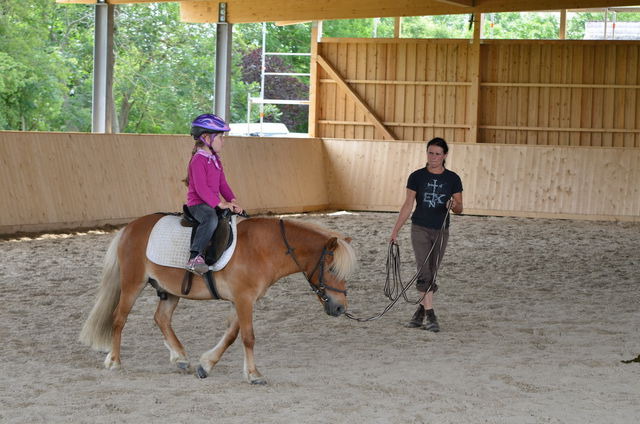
348 239
332 244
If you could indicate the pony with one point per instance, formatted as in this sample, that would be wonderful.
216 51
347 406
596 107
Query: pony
267 249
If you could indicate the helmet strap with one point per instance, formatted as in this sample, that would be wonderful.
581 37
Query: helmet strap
204 140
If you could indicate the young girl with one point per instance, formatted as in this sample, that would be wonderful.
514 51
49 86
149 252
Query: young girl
206 182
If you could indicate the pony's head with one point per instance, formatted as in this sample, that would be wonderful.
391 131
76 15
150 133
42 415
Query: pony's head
337 262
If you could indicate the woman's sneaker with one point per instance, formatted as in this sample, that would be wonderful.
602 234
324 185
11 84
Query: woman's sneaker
197 265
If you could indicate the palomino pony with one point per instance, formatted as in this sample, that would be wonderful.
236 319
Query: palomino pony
267 249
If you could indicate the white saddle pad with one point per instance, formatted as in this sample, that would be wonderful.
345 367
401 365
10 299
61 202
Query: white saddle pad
169 244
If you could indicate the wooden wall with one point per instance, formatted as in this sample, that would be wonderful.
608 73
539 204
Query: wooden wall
418 88
554 92
52 181
64 180
509 180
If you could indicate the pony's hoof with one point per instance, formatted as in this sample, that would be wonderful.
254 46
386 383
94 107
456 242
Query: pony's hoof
183 365
110 364
201 373
257 379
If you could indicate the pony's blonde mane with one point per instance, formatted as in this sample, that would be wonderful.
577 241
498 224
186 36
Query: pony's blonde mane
345 261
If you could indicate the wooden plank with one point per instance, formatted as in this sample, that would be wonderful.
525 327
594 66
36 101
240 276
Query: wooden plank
544 104
450 92
361 73
598 95
410 94
421 97
511 74
619 96
502 93
555 95
314 99
400 72
630 100
534 93
380 95
430 95
461 93
370 90
609 94
588 76
423 83
562 129
441 75
332 94
576 94
565 95
341 97
390 91
523 67
350 105
370 115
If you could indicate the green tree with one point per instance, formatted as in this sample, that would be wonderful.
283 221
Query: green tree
519 25
32 71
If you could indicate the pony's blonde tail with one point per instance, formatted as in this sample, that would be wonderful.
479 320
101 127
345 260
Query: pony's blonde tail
97 331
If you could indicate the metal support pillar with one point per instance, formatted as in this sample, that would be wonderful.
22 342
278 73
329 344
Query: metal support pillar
222 90
102 103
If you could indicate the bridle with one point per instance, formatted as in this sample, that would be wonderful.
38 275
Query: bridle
321 289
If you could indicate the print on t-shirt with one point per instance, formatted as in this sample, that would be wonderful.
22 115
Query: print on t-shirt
433 194
433 191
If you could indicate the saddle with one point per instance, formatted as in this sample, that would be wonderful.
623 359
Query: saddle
222 237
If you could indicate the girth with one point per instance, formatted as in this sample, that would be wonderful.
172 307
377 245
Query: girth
209 279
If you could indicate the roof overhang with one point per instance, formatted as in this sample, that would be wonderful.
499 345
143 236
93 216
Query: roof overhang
246 11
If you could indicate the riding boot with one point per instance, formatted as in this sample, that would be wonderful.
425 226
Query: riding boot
432 322
417 318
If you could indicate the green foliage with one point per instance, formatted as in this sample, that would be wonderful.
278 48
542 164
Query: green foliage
443 26
164 68
515 25
32 73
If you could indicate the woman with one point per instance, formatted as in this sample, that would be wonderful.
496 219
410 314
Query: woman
207 182
435 190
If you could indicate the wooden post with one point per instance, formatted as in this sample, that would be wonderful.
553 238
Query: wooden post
314 85
563 24
397 27
474 89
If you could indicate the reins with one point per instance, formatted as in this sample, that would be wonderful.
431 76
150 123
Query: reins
321 289
393 286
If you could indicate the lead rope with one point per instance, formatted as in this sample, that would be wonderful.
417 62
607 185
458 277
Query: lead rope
394 288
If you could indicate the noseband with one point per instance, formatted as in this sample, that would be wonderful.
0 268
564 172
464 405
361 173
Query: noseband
322 287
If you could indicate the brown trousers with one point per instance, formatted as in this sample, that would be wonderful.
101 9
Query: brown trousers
424 240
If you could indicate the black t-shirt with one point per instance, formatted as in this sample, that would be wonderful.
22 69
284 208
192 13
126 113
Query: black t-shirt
432 193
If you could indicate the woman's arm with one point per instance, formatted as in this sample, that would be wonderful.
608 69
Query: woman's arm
405 211
456 202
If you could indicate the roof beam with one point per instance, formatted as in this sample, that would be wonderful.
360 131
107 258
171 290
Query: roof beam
463 3
245 11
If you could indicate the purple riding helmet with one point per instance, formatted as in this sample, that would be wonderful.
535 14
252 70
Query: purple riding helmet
207 123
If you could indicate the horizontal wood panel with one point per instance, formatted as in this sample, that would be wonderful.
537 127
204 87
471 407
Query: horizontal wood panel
535 181
54 181
58 180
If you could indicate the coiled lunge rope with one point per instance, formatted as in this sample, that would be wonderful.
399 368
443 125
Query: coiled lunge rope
394 288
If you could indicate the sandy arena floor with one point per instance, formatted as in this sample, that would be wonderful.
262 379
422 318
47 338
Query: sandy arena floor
536 317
